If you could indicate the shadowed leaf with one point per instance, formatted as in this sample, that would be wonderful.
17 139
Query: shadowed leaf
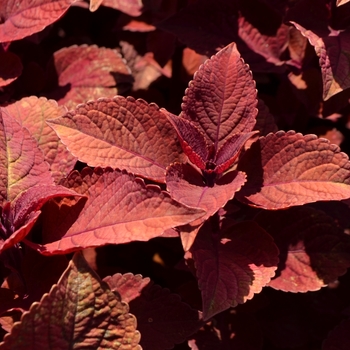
32 113
121 133
23 18
334 54
265 122
295 170
10 67
232 264
22 162
90 72
120 209
314 250
162 319
91 317
338 338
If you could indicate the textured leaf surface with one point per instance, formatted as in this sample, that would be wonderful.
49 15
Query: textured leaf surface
91 316
121 133
162 319
22 162
334 54
32 113
120 209
314 250
338 338
90 72
10 68
270 47
232 265
286 169
221 99
22 18
18 219
187 186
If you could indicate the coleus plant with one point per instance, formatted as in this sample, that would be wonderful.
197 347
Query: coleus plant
155 174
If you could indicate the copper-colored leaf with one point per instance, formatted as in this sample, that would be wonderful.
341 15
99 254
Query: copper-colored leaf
22 162
91 72
333 51
120 209
22 18
32 113
10 68
186 185
314 250
94 5
232 264
286 169
130 7
121 132
342 2
80 311
162 318
221 99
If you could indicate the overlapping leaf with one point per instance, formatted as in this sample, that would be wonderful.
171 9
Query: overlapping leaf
89 72
286 169
32 113
162 318
22 162
121 132
334 52
314 251
130 7
265 122
91 316
221 99
120 209
23 18
10 68
232 264
187 186
18 217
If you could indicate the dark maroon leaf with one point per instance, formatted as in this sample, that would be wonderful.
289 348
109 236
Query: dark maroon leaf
338 338
314 250
232 264
286 169
162 319
23 18
92 316
265 122
120 208
121 132
10 68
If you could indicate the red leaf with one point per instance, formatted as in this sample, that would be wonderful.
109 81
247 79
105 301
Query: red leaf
232 264
270 47
162 319
10 68
32 113
130 7
93 316
121 133
187 186
333 51
25 210
265 122
286 169
338 338
141 212
314 249
221 99
91 72
23 18
22 163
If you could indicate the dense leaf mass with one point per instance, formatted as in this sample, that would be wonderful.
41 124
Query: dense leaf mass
187 160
